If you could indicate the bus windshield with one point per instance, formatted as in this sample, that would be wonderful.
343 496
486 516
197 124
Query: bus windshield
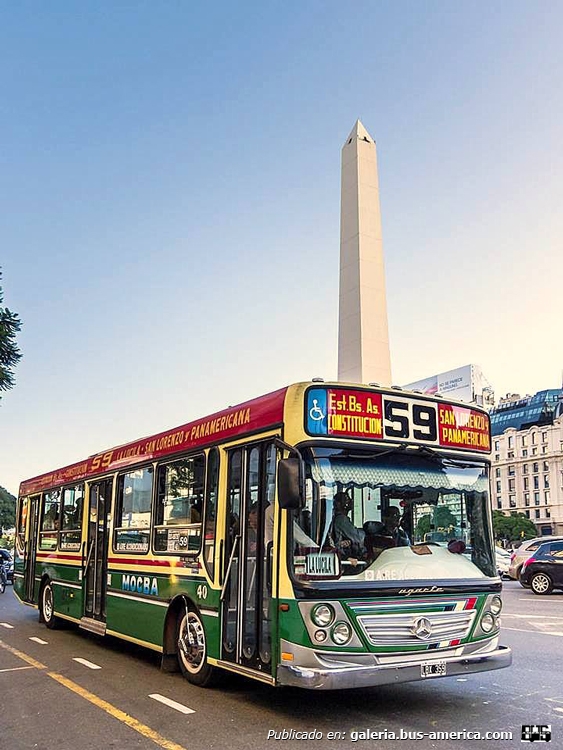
396 515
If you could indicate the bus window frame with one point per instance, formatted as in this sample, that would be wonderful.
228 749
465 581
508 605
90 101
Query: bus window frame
49 533
75 529
118 510
24 501
210 565
191 553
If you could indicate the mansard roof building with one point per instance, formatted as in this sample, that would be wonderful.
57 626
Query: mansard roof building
527 470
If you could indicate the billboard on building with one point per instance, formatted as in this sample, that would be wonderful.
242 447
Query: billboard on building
465 383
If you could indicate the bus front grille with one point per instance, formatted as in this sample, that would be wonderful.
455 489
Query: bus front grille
417 629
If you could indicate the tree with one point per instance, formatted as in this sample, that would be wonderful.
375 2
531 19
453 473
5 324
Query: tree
514 527
7 510
10 355
442 520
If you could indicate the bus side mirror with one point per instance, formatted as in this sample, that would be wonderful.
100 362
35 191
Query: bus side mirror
289 483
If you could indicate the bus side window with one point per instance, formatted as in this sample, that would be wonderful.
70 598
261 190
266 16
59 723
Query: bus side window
71 533
133 515
211 510
180 505
50 520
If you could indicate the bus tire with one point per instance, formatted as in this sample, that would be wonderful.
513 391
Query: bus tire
47 606
191 645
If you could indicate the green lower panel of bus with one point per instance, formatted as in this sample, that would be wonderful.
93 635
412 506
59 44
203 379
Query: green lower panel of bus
136 618
136 606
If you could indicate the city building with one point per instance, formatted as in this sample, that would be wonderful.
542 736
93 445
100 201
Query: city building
527 468
521 412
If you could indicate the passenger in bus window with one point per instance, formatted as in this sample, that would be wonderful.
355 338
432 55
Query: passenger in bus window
195 511
387 532
51 520
269 523
252 527
349 540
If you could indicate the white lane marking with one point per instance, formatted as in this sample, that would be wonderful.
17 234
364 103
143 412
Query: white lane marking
86 663
38 640
171 703
535 632
559 709
554 700
523 599
533 617
15 669
7 625
461 679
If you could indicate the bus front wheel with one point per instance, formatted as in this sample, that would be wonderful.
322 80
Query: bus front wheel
47 606
192 649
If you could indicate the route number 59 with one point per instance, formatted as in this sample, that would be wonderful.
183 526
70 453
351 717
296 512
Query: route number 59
401 417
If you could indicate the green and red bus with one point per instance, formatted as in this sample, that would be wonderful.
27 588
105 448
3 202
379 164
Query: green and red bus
221 544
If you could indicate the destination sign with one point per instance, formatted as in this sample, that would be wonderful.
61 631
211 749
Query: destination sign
372 415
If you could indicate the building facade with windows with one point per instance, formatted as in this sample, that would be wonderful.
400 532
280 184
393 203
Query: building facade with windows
527 470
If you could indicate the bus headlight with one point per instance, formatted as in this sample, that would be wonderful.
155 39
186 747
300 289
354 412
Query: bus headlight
488 622
496 605
322 615
320 636
341 633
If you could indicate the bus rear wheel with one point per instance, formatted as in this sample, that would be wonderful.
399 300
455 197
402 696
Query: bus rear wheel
191 645
47 606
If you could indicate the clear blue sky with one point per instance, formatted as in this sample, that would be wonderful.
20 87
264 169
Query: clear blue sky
170 192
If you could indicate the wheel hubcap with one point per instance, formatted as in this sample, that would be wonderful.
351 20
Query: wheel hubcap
191 643
48 603
541 583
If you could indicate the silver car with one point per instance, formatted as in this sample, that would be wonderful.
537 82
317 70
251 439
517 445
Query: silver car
524 551
503 561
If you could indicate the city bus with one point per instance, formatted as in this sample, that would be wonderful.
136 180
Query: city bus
225 543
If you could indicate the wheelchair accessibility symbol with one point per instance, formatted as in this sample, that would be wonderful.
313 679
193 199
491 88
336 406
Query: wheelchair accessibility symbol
315 412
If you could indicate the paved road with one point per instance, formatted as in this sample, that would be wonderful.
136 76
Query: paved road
54 697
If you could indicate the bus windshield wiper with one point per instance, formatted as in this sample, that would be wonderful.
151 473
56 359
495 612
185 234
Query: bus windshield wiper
433 455
375 456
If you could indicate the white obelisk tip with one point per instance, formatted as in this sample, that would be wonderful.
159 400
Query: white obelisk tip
359 133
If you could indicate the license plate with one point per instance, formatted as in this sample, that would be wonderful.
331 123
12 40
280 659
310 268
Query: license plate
436 669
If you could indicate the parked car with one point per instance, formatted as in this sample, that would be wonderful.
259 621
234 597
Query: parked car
8 562
543 571
524 551
503 561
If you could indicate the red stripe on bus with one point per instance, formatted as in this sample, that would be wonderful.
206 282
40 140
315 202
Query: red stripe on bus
141 561
257 414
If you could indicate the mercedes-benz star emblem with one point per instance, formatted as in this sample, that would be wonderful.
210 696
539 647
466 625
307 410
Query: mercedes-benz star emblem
422 628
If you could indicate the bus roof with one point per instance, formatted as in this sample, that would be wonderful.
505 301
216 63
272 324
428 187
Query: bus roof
250 416
246 418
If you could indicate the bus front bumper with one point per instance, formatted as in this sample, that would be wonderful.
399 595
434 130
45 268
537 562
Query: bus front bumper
340 675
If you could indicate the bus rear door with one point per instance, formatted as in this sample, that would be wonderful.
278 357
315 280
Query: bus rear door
95 559
30 554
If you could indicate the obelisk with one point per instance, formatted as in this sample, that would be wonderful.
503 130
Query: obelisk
363 335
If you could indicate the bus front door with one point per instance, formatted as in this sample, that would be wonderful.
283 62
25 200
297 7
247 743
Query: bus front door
247 597
95 562
31 549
